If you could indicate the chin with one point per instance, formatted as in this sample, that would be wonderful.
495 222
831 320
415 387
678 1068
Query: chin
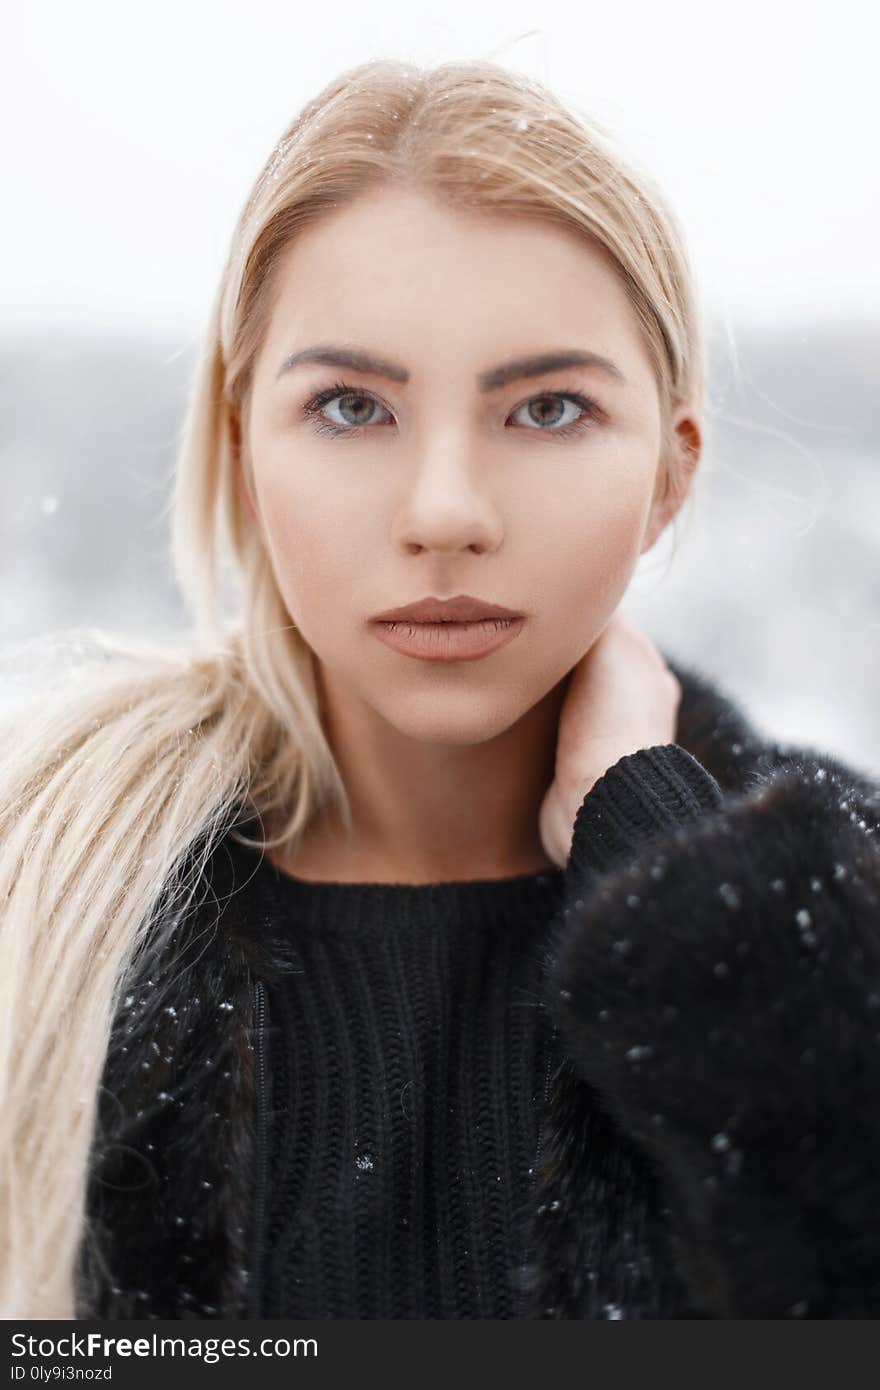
453 720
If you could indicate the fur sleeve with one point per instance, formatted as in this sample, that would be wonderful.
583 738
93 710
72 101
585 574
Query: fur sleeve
715 974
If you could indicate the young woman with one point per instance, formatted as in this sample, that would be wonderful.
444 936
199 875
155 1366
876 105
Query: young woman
474 961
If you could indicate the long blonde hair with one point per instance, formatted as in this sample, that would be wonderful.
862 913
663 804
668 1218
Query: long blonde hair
106 784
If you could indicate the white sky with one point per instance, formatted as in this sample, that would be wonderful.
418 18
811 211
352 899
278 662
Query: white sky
133 136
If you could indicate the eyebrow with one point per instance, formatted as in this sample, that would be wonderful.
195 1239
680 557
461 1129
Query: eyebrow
515 370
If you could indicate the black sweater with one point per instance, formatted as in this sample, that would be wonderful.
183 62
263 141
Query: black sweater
409 1055
705 1136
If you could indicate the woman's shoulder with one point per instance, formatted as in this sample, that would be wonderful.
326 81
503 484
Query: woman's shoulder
227 926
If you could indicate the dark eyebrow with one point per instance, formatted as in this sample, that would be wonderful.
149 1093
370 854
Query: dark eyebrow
515 370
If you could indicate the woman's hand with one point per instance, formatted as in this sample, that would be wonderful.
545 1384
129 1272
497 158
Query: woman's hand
621 697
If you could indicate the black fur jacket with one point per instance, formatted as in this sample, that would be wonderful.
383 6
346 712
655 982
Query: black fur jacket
712 1138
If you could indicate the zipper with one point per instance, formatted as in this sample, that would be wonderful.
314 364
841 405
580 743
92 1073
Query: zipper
261 1089
533 1176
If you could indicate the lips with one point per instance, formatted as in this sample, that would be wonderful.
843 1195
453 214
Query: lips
463 608
448 641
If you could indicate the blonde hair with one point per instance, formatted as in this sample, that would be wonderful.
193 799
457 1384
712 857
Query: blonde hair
106 786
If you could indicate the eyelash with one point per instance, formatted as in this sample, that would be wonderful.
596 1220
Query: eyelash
312 409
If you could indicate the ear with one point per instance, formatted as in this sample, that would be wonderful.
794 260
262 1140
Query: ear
675 473
235 443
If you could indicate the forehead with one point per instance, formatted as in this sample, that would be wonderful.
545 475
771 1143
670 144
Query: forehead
396 269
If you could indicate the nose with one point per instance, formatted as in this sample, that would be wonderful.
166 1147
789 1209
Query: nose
449 504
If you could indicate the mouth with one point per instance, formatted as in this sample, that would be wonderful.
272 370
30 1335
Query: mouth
448 640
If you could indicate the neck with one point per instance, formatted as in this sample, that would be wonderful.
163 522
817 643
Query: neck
431 812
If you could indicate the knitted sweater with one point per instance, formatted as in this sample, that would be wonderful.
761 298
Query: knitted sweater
408 1056
328 1099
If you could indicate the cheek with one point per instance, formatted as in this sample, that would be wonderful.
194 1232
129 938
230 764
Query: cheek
319 550
596 549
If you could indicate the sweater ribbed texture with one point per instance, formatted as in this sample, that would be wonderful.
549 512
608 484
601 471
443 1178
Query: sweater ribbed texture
641 795
408 1056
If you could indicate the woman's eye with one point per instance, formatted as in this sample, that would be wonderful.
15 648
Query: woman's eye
560 413
547 413
355 408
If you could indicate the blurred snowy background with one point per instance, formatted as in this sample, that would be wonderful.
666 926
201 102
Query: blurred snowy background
132 144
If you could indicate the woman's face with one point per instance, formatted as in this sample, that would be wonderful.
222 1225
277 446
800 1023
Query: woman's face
426 479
